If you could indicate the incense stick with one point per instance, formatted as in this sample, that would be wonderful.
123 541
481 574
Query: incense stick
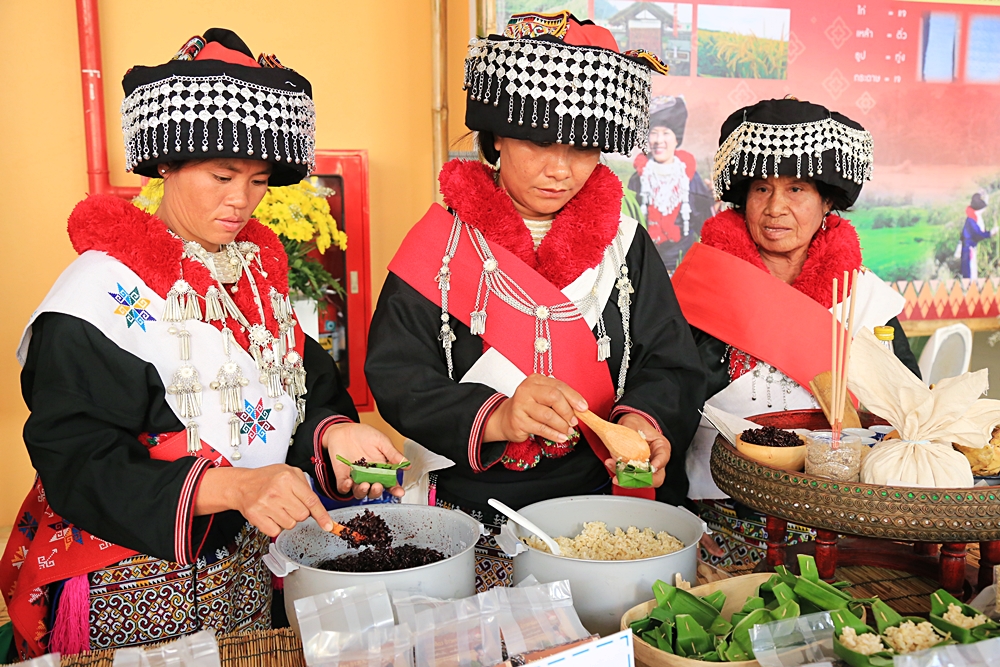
849 341
832 412
842 325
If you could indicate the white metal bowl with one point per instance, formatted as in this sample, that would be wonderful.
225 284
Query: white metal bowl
295 553
604 590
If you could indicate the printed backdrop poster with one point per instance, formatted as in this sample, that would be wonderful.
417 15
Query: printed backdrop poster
922 77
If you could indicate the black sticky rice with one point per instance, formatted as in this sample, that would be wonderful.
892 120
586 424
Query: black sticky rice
378 553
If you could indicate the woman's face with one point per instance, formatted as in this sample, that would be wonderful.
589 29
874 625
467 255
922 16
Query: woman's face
210 201
784 213
662 143
541 178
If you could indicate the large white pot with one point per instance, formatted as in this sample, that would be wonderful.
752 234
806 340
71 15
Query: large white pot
604 590
451 532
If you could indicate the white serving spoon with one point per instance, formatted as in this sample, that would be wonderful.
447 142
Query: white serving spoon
517 518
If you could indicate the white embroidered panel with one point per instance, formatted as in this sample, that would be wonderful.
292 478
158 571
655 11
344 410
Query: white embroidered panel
87 289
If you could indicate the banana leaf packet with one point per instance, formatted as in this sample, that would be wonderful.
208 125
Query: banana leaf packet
842 619
631 476
693 627
886 617
375 473
940 600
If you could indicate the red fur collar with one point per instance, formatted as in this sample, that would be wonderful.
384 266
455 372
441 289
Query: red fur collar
141 242
580 232
830 254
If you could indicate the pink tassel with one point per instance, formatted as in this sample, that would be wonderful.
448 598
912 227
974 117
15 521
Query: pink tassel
71 631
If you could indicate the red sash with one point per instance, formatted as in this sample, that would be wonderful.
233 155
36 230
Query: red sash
753 311
45 548
574 358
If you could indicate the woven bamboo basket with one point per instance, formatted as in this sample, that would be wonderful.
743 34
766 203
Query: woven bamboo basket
737 590
905 514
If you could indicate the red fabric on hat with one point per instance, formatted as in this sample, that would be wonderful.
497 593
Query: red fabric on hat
590 35
216 51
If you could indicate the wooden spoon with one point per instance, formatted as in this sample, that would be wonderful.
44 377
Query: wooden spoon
342 531
622 442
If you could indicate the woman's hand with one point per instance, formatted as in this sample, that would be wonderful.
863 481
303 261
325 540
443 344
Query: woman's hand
540 406
272 498
659 447
355 442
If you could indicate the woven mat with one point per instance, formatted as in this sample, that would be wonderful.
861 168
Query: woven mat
274 648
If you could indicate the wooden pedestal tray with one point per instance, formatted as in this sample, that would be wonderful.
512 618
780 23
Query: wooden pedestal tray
876 519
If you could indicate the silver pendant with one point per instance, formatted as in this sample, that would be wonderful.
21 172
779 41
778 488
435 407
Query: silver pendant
229 383
186 386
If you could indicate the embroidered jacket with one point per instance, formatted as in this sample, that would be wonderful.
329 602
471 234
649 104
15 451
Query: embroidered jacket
407 371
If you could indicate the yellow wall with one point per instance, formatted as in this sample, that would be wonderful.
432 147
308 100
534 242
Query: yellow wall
370 66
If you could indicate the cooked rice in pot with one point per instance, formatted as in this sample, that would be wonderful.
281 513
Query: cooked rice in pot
596 542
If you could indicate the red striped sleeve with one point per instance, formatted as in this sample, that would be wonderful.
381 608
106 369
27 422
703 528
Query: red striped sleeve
325 478
621 410
183 554
479 428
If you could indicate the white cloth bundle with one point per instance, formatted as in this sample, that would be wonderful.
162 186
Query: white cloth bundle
928 420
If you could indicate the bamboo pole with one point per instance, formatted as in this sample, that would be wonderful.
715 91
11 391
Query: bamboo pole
439 88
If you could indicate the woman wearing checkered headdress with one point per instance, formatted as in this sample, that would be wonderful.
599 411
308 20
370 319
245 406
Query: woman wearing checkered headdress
478 349
176 406
757 289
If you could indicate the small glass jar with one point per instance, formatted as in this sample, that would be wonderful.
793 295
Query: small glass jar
841 463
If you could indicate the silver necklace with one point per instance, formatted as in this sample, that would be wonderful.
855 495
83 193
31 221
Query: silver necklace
494 280
280 366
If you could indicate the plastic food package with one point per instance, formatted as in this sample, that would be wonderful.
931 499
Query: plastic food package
47 660
197 650
538 617
347 610
408 604
462 633
376 647
980 654
794 641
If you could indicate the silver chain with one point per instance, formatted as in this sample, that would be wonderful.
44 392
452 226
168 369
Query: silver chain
494 279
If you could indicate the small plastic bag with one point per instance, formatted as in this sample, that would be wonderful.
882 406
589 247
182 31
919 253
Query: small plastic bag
538 617
462 633
353 609
794 641
979 654
408 604
47 660
197 650
382 646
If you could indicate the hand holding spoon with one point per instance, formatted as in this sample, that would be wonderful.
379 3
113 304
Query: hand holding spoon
622 442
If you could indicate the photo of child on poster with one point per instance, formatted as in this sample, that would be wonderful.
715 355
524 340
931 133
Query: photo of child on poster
922 77
674 200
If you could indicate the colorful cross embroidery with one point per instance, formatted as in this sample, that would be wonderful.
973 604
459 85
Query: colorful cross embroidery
67 533
132 306
255 424
28 525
